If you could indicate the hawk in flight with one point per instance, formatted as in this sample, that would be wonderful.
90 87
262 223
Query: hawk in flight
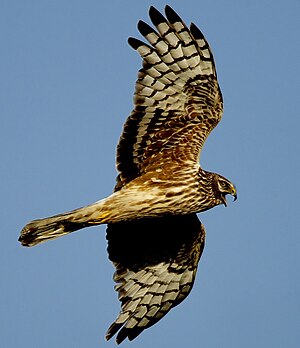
155 238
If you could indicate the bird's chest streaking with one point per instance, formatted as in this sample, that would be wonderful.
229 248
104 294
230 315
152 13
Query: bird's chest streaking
171 190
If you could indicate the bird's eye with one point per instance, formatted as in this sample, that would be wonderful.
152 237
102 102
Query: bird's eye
223 184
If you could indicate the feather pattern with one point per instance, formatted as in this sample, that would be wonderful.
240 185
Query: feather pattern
177 98
156 263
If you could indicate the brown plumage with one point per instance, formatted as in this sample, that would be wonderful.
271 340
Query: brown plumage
155 239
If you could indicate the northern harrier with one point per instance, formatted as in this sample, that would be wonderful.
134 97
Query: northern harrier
155 239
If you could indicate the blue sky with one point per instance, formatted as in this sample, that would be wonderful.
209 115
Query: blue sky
67 80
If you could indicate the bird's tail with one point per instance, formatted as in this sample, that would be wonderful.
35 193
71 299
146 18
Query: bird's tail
41 230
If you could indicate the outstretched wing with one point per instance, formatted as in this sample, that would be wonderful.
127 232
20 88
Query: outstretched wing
177 98
156 262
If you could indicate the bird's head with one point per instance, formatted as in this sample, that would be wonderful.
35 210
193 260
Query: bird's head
223 187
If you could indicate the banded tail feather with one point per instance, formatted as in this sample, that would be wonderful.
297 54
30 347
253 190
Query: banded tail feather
41 230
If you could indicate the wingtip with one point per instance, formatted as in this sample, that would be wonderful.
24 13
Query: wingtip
134 43
196 32
172 16
155 16
144 28
112 330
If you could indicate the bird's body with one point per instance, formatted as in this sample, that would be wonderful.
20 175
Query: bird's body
160 186
179 192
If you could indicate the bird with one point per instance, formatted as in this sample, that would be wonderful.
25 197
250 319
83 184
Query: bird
155 238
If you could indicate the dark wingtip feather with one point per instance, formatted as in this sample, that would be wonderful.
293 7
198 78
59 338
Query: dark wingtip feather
155 16
122 335
144 28
135 43
112 330
172 16
134 333
196 32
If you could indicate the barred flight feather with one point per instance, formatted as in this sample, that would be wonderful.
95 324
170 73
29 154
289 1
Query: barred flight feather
156 262
177 98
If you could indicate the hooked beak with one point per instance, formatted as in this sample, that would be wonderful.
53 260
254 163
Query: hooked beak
233 193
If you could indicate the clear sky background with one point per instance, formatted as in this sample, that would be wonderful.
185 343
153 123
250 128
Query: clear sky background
66 86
